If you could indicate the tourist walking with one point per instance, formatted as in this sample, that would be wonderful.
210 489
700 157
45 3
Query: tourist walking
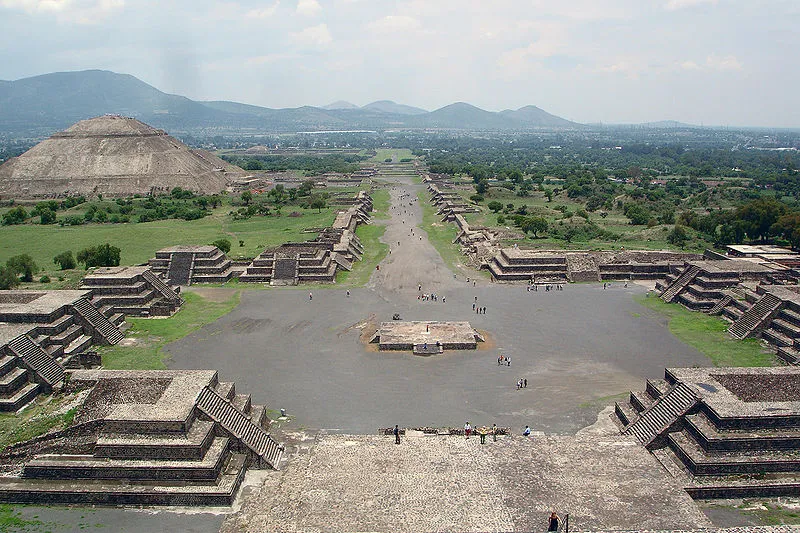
525 383
494 432
396 434
467 429
508 360
527 431
553 522
310 296
348 293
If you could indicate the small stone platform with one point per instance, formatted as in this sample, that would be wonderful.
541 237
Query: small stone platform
426 337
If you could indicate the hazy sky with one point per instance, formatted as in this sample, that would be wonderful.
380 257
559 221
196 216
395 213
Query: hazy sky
720 62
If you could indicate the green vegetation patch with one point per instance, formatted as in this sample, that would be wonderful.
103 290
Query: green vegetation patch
440 234
146 338
139 242
380 204
708 334
374 252
43 416
395 154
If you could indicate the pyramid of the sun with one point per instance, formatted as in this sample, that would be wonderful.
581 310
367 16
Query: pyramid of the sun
113 156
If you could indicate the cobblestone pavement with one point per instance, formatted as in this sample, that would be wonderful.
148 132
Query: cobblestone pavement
437 483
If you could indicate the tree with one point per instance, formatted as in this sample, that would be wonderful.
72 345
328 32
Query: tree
534 225
247 197
549 194
103 255
495 206
637 214
8 280
318 202
47 216
23 265
17 215
678 236
65 260
222 244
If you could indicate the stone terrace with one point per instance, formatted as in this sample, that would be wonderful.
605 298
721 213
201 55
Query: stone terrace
722 432
41 333
184 265
156 437
135 290
440 483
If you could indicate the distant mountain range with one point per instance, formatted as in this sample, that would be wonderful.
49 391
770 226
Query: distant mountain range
51 102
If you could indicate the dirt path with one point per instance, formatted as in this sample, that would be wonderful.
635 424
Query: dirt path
412 261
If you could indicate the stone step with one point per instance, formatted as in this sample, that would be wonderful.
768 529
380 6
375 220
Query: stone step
625 413
78 345
701 463
790 315
128 492
776 338
785 327
20 397
191 445
68 335
226 389
242 403
37 360
12 380
713 439
789 354
92 467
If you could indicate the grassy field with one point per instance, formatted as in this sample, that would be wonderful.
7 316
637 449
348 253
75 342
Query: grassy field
374 252
150 335
380 204
629 236
708 334
139 242
395 154
441 234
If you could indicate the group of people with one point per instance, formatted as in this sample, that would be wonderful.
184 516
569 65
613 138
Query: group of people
430 297
503 359
522 383
482 432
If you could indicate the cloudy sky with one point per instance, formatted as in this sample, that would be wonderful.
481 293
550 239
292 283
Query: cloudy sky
720 62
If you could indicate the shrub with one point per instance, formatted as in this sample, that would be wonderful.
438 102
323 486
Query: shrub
22 265
678 236
65 261
18 215
44 279
222 244
47 216
103 255
8 280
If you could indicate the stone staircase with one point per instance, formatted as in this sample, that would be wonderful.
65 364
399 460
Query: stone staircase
655 420
222 410
672 291
162 288
180 268
37 360
285 271
756 317
101 325
720 305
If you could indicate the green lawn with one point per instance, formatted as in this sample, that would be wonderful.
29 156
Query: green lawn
708 334
139 242
374 252
395 154
380 204
152 334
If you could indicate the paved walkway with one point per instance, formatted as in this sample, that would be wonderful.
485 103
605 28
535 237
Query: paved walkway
432 483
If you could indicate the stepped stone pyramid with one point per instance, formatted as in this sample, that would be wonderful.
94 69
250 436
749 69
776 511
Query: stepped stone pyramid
41 334
113 156
157 437
722 432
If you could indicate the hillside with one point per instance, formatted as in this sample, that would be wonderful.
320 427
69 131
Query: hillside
44 104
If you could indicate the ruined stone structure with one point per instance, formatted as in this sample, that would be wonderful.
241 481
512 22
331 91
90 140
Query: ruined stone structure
184 265
758 298
515 264
113 156
42 333
157 437
133 290
426 337
723 432
318 260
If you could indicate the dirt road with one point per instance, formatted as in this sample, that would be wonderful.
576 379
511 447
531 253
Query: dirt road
413 260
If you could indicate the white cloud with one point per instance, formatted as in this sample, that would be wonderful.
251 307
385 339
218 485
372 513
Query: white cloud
264 12
394 23
689 65
308 8
314 36
77 11
673 5
723 62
